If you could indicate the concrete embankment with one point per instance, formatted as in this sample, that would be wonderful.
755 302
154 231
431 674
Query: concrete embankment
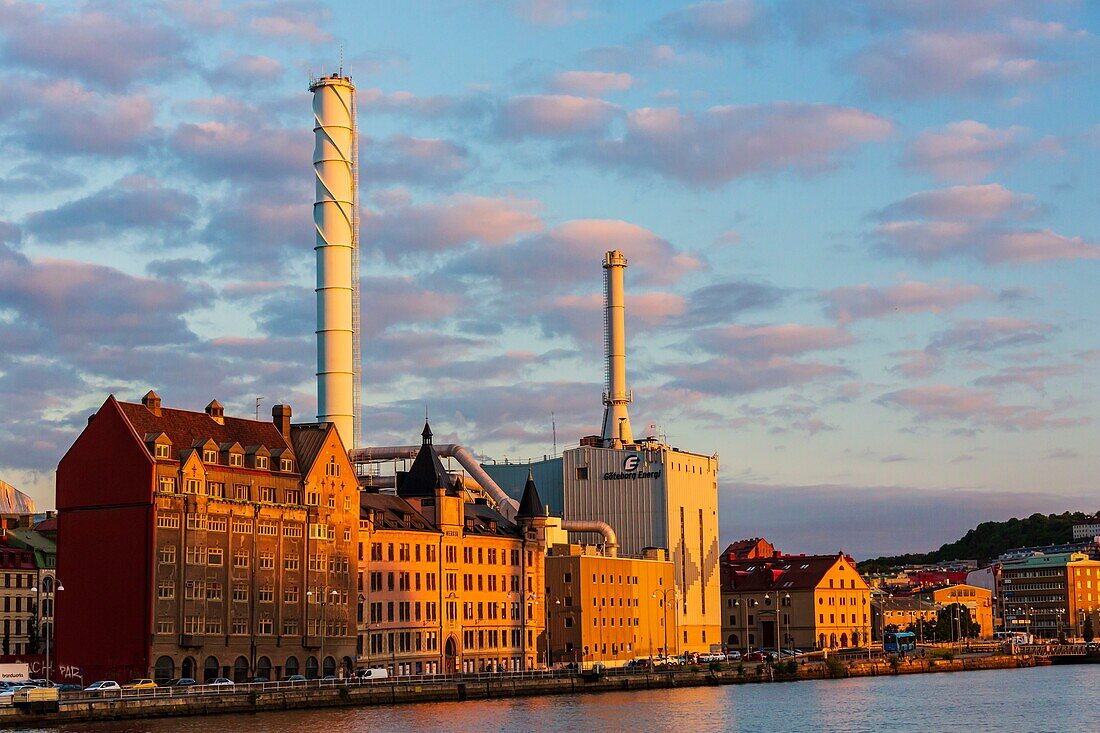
397 692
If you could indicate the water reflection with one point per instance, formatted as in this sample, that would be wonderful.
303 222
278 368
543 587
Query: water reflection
1051 699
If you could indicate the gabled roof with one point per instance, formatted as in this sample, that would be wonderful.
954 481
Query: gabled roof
780 573
427 473
185 427
308 440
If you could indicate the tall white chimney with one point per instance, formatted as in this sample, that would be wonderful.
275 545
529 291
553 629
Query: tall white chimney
336 220
616 419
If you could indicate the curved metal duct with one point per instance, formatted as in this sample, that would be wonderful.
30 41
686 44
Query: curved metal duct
506 505
610 539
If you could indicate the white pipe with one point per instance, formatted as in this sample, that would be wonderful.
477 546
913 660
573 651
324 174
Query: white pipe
506 505
616 419
610 540
334 220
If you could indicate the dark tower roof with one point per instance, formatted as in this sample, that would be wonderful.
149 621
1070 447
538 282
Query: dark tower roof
426 473
530 505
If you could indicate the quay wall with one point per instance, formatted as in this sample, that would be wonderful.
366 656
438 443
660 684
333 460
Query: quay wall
398 692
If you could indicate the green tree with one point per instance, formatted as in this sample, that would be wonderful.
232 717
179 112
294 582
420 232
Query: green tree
1088 632
954 622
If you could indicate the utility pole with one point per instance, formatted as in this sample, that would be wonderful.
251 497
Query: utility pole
258 401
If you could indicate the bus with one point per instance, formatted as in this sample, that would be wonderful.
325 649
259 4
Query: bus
899 642
1014 637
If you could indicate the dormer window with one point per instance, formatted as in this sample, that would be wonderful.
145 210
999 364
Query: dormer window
286 465
210 456
236 460
261 462
163 451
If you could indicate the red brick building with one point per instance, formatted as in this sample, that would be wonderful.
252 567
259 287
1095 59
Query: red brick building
198 545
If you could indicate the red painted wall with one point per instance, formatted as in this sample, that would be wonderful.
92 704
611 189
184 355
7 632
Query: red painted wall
104 551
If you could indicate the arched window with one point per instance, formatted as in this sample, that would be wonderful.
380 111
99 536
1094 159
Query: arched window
240 670
832 641
210 669
855 638
291 666
311 668
348 665
263 668
187 669
821 641
843 640
733 640
330 667
164 670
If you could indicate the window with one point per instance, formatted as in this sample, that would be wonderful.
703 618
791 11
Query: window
290 627
267 529
213 593
266 594
163 451
196 521
292 530
240 558
313 498
216 524
286 466
214 556
241 526
165 626
239 627
192 486
168 484
213 625
293 496
168 554
240 592
332 468
215 489
261 463
236 460
168 521
290 562
267 561
210 456
166 590
267 493
196 555
582 473
240 492
290 594
266 627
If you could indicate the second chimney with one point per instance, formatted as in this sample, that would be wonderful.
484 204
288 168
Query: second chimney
280 415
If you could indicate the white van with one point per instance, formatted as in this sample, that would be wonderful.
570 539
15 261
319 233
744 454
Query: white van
373 673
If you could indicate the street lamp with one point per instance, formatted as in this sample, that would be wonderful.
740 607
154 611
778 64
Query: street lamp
53 615
663 595
324 620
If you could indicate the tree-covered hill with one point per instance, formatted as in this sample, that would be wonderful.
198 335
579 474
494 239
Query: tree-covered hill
990 539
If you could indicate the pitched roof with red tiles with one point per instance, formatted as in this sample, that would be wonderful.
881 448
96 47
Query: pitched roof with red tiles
185 427
783 572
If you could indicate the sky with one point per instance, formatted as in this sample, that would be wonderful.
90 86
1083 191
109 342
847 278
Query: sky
862 235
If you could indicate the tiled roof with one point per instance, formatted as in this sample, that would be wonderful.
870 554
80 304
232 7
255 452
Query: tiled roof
781 573
184 427
394 513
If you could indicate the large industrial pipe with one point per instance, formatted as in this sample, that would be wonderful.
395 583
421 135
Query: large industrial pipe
616 419
334 220
506 505
610 539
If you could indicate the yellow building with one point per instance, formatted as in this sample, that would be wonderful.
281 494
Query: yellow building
901 612
448 584
610 609
978 600
805 601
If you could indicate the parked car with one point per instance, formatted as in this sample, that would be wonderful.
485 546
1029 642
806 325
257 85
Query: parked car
140 684
733 656
181 682
10 690
67 687
103 686
296 678
259 679
220 681
756 656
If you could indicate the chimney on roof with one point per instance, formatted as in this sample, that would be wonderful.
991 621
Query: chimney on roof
216 412
280 415
151 400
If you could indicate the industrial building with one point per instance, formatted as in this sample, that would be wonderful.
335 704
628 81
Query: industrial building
653 494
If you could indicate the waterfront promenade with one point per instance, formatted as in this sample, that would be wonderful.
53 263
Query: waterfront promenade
167 702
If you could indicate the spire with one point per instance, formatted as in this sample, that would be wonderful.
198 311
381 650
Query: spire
426 434
530 505
426 474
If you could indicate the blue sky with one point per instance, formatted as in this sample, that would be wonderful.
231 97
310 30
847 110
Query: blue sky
862 235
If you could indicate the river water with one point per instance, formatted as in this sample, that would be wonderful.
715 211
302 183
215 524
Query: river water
1035 700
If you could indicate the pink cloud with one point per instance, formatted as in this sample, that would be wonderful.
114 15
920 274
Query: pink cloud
718 21
591 83
970 151
974 221
761 341
1035 376
413 160
944 402
374 100
965 203
112 49
450 222
550 12
920 63
555 115
66 117
227 150
725 376
580 316
852 303
245 70
728 142
917 364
